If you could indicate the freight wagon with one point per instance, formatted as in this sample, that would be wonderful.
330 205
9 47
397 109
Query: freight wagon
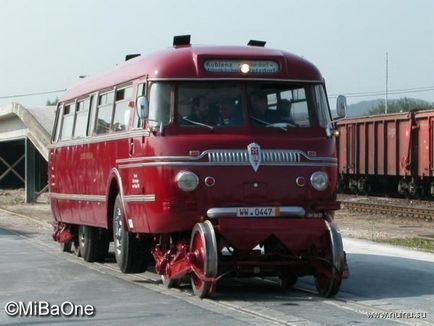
387 154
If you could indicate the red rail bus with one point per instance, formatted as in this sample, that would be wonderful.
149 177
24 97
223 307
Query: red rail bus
204 161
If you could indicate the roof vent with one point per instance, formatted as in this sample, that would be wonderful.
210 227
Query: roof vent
256 43
131 56
181 40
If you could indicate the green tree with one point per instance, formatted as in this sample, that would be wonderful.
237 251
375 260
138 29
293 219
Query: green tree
402 105
52 103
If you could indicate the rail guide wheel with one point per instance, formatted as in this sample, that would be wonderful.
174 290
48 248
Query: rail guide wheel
204 262
329 278
169 282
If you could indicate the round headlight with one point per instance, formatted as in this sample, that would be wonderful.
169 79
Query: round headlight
319 180
187 181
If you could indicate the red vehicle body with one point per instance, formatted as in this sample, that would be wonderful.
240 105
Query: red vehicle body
387 154
237 195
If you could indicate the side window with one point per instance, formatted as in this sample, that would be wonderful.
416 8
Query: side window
137 123
322 107
58 121
92 109
104 113
68 122
81 118
122 110
159 104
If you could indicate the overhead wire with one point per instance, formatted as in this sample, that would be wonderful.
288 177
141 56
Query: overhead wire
32 94
390 92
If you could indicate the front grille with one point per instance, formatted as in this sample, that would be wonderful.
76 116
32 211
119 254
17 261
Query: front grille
241 156
277 156
228 156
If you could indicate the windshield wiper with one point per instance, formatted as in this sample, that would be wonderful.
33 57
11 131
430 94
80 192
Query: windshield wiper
198 123
269 124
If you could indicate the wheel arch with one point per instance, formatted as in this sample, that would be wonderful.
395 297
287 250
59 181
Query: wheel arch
114 188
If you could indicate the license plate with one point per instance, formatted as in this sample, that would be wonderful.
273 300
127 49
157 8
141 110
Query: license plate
257 211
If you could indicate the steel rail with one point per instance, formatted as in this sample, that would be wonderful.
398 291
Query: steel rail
419 213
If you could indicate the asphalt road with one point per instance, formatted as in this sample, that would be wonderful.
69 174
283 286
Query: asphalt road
385 280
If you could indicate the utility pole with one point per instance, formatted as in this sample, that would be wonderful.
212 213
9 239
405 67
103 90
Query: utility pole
387 81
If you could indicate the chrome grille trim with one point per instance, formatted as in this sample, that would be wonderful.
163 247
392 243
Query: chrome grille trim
268 156
237 156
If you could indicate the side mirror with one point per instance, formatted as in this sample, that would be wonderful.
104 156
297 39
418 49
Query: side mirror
341 106
142 107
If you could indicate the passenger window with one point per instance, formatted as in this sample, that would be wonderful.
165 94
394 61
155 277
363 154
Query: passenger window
68 122
104 114
82 113
122 110
58 121
92 108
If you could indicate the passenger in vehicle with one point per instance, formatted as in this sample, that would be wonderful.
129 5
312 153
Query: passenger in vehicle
284 111
229 113
259 111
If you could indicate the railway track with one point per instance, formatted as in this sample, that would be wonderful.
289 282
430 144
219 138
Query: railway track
426 214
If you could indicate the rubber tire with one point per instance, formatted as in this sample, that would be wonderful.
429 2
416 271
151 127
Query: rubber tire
331 290
76 246
66 246
287 281
93 243
132 257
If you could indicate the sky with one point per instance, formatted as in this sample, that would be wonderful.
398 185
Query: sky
46 45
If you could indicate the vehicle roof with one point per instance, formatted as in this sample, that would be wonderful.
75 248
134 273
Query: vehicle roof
184 62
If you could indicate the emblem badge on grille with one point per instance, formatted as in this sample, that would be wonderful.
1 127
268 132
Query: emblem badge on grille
254 152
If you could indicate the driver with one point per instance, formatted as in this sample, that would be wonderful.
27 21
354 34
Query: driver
199 110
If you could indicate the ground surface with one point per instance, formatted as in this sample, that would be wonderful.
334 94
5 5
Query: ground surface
351 224
385 282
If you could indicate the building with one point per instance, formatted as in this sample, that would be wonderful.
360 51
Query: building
25 134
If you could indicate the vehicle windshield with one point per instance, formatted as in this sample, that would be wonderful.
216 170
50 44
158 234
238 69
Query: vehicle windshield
259 104
288 105
210 105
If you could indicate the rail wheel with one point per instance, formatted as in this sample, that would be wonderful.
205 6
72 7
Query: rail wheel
66 246
130 251
328 278
169 282
203 247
